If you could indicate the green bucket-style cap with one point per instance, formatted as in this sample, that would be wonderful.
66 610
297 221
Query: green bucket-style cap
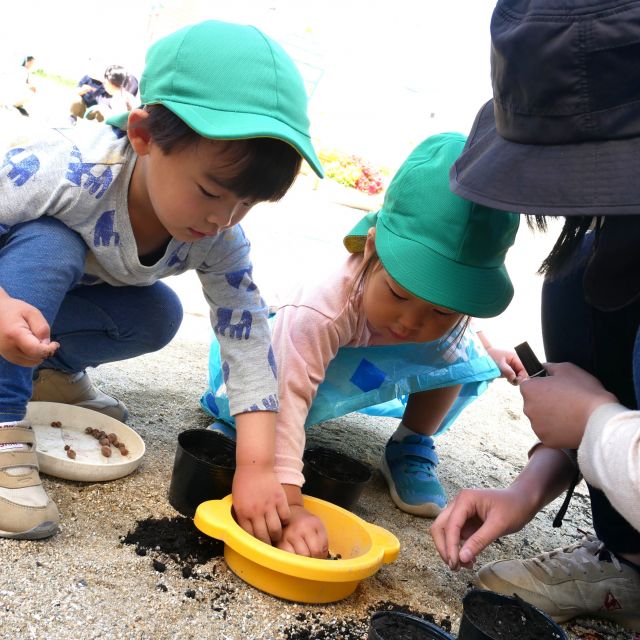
436 245
228 81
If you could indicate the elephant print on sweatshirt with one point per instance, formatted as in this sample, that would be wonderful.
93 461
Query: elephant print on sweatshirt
77 170
21 169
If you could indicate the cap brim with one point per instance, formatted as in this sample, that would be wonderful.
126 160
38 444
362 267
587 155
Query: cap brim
215 124
587 179
355 240
119 121
482 293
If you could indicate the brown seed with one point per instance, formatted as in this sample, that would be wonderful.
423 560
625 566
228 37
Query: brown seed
89 430
71 453
56 423
95 433
124 451
105 442
106 452
102 434
112 438
67 447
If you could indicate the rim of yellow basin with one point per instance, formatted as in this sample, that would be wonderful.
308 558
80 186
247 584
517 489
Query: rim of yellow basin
384 546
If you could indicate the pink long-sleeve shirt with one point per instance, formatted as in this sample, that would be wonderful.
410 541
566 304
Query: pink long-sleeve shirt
306 336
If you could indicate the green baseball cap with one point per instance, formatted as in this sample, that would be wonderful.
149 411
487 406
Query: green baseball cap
436 245
228 81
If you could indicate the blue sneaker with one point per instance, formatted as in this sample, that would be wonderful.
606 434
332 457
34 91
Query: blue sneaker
224 429
409 467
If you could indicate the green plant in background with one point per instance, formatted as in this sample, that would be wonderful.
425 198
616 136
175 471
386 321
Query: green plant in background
54 77
352 171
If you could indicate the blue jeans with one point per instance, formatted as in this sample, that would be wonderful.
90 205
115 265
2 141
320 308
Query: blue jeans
607 345
41 262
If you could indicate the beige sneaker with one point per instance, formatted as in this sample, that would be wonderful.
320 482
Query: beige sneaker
583 579
26 511
51 385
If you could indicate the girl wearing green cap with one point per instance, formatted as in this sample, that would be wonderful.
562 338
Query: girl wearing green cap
393 322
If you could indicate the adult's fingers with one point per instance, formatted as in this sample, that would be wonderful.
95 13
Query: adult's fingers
439 533
489 531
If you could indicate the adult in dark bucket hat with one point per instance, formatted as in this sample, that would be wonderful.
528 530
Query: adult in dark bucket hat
561 137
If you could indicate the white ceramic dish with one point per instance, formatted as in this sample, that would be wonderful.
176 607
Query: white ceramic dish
89 465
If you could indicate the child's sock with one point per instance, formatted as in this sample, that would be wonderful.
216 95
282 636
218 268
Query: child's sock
13 445
402 432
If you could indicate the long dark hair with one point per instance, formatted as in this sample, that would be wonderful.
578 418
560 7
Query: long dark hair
573 232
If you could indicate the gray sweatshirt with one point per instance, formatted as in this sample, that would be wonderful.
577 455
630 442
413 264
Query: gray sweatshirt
81 177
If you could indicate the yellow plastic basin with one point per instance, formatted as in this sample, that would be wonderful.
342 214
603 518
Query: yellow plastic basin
363 548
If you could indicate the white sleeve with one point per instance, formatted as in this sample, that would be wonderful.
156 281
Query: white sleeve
609 458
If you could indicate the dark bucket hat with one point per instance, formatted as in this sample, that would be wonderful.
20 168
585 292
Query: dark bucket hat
561 136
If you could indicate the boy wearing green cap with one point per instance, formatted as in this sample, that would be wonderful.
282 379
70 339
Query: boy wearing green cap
91 218
392 321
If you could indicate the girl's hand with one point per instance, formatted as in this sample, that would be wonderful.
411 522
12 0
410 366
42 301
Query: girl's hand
305 535
559 405
24 333
475 518
260 503
509 364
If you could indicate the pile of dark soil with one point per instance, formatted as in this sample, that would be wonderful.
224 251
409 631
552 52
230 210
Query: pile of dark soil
176 538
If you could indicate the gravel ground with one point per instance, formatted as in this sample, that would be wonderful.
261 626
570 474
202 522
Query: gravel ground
86 583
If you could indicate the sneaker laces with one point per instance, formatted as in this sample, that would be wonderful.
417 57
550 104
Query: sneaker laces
588 551
416 465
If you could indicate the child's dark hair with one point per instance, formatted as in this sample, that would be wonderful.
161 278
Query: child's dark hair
267 167
116 75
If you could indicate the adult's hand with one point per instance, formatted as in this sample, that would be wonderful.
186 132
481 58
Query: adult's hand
559 405
477 517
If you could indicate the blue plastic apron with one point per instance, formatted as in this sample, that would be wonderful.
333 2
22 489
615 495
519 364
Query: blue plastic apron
378 380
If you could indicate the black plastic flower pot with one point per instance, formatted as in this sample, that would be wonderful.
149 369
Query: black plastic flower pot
334 476
202 469
487 615
395 625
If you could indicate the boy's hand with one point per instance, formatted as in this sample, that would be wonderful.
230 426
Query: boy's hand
24 333
305 534
259 502
509 364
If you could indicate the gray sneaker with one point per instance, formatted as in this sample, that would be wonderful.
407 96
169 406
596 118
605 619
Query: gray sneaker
51 385
583 579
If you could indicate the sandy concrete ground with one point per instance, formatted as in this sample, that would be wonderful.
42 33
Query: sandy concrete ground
85 583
